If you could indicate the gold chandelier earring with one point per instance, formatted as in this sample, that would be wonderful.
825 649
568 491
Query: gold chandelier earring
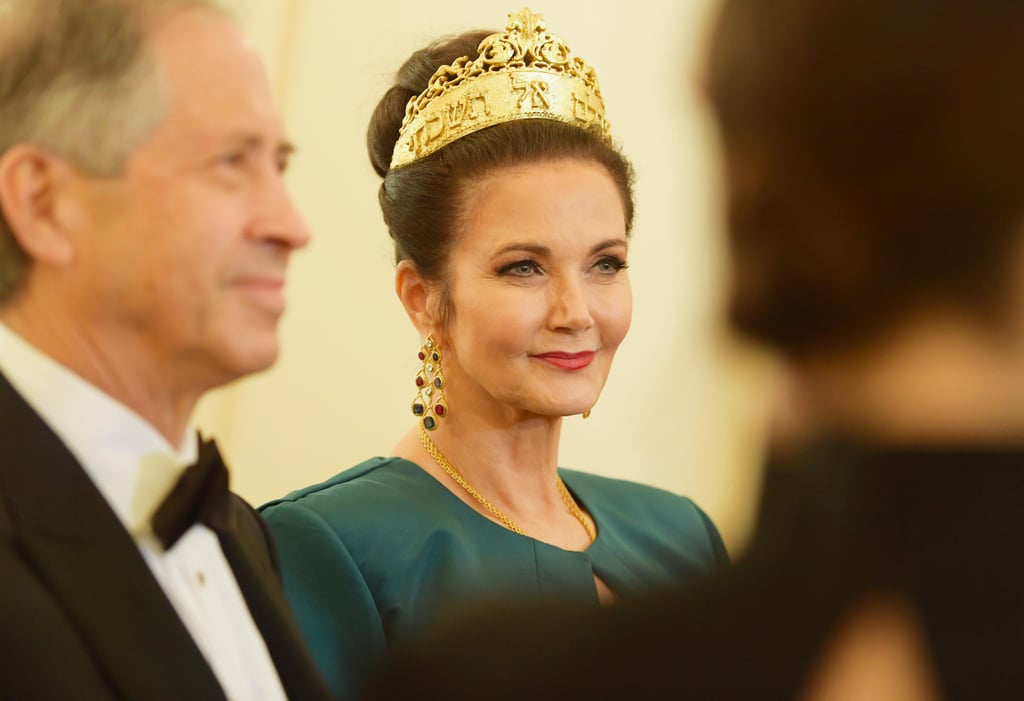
429 404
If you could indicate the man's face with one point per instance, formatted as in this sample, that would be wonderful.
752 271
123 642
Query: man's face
183 256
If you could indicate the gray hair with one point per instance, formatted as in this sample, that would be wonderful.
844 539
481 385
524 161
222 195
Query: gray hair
79 80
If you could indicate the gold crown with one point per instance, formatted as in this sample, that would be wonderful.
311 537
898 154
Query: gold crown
523 73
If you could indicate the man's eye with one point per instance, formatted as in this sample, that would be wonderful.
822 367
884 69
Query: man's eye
233 160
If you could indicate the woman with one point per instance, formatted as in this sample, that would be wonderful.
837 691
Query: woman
511 212
875 170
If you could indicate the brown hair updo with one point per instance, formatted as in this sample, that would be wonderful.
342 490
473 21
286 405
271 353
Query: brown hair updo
423 202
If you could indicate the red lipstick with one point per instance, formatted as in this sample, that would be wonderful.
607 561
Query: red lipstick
567 361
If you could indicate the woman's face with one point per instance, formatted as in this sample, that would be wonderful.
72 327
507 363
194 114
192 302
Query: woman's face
540 292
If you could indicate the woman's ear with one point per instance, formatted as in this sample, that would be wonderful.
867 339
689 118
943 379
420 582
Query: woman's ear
33 186
419 297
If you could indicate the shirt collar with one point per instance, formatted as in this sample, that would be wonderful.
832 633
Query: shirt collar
131 464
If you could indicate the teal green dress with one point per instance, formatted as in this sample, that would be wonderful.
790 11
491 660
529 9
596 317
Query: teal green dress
383 550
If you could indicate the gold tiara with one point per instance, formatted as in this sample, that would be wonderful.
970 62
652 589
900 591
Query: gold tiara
523 73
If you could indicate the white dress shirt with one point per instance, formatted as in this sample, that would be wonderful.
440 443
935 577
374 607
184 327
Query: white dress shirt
134 468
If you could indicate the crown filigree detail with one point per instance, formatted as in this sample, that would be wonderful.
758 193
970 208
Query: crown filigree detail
524 72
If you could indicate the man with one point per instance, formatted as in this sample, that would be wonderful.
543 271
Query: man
874 162
143 246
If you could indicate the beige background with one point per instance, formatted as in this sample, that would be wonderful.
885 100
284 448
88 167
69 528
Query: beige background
683 406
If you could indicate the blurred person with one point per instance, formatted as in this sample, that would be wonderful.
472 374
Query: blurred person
511 213
875 180
143 246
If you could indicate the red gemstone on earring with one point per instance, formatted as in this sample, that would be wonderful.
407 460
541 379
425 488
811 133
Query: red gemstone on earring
421 355
439 410
419 381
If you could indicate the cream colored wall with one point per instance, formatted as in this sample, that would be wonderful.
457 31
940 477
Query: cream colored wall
682 406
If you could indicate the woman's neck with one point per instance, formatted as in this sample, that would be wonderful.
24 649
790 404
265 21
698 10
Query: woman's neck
513 464
511 461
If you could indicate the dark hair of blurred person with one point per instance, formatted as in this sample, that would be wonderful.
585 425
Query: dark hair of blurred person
874 165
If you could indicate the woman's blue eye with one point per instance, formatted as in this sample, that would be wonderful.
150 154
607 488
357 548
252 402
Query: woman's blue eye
610 264
521 268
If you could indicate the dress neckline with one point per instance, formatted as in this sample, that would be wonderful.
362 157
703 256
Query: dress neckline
566 476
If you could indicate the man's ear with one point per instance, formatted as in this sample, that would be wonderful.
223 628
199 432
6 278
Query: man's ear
418 296
32 185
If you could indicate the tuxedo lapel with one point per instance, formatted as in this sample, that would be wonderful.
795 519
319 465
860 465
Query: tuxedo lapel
89 564
245 545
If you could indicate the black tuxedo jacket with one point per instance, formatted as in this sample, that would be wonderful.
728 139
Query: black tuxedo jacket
81 615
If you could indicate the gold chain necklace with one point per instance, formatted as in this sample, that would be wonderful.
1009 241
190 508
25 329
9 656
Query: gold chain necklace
450 470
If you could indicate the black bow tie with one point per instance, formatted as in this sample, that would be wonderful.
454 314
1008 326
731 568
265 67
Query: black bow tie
200 496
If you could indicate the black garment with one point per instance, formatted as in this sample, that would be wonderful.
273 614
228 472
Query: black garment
81 615
199 496
841 524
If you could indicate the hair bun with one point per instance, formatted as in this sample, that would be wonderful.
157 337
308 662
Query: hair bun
412 79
